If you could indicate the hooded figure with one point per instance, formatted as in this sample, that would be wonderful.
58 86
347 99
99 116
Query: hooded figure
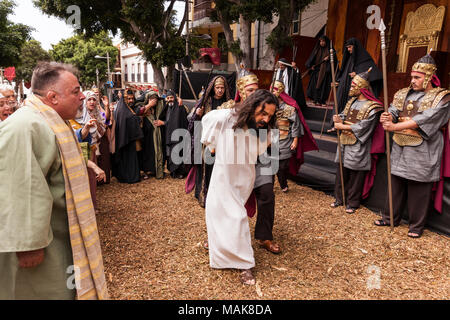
292 80
176 118
128 132
355 62
320 76
153 113
216 94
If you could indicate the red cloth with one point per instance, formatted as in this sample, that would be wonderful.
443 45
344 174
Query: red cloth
250 206
190 180
366 93
378 146
212 53
305 143
10 73
445 172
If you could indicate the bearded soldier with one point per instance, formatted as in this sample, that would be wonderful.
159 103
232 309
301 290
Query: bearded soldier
358 122
416 117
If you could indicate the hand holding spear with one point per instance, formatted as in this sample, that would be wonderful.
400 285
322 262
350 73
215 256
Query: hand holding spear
382 28
338 131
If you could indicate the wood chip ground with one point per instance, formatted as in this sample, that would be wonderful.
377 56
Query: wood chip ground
152 234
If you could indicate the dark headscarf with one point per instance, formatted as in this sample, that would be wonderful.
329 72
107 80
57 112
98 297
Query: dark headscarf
127 125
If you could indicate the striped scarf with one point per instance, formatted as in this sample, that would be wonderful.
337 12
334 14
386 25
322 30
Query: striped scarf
84 239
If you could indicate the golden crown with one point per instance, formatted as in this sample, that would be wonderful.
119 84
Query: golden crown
280 87
246 81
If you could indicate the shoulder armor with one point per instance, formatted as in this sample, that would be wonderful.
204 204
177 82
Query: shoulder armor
227 105
399 98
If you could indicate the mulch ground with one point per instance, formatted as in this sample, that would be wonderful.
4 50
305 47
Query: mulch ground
152 234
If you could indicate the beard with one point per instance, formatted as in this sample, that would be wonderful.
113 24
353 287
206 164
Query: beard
257 126
354 92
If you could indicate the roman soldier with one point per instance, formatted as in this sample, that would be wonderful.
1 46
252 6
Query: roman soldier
416 117
358 122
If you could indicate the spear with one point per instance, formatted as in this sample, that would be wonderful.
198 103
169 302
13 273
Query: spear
382 28
337 131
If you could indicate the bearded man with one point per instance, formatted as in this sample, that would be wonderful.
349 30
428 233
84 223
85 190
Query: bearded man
358 122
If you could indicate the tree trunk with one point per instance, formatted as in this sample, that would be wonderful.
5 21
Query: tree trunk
228 37
169 83
245 39
158 76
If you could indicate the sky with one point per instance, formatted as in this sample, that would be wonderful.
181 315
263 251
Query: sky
50 30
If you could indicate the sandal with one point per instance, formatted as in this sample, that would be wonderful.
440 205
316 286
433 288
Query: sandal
336 204
381 223
414 235
285 190
144 176
351 210
270 246
205 245
247 277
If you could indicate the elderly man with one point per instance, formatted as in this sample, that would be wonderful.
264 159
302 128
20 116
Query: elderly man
49 243
5 111
8 92
416 117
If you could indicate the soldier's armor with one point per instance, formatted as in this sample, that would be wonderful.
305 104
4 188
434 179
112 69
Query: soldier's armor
282 120
352 116
409 108
227 105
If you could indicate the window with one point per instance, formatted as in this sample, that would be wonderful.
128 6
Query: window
145 72
133 75
296 24
126 73
138 78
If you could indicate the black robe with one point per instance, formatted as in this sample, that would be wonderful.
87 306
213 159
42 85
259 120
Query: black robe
176 118
126 164
148 154
358 62
295 85
319 85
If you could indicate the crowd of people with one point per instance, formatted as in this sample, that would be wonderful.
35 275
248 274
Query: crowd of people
63 142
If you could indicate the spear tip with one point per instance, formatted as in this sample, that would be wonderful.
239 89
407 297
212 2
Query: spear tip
382 27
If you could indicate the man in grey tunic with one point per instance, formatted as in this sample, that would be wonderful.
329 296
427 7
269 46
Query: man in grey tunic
357 122
416 117
283 147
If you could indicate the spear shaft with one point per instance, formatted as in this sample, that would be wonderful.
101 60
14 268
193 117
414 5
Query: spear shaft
388 142
336 111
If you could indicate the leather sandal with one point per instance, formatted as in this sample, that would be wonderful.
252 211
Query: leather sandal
414 235
270 246
350 210
205 245
247 277
336 204
381 223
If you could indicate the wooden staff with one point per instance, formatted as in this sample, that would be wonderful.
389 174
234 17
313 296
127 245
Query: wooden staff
337 131
382 28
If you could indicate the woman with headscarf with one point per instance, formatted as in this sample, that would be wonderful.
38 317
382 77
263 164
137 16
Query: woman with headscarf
356 60
320 75
216 94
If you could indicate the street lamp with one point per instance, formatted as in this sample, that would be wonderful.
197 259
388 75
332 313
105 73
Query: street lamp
109 72
107 61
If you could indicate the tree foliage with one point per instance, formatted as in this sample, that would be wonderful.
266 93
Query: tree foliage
30 55
149 24
81 51
12 36
246 12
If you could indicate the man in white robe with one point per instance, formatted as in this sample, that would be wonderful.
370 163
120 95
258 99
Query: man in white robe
228 131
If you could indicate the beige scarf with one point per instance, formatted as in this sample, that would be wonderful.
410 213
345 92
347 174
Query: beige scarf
84 239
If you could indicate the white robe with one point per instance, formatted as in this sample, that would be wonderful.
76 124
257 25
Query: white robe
231 184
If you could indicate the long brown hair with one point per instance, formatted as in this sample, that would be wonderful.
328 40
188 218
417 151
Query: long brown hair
245 111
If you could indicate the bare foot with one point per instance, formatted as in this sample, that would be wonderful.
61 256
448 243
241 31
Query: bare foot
247 277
